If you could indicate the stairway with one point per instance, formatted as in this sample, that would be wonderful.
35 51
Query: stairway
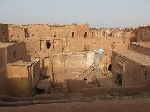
85 73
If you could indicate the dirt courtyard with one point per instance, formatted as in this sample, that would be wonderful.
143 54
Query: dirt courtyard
132 105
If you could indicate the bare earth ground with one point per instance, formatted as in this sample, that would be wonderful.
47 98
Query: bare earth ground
132 105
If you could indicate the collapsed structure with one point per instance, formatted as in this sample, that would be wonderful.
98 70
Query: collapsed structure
38 57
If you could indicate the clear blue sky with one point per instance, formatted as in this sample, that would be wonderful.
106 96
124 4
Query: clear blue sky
98 13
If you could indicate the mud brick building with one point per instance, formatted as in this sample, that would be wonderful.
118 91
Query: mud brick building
30 54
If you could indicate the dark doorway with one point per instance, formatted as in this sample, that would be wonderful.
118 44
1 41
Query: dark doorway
110 67
48 44
72 34
85 35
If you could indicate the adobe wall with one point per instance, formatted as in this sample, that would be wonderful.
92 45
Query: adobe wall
133 73
46 30
75 86
4 33
44 40
140 49
21 77
68 66
148 77
65 33
17 52
18 75
62 31
3 56
109 32
18 81
34 74
143 34
36 47
96 43
3 79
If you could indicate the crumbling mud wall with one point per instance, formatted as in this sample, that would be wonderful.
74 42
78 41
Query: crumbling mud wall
3 79
61 31
143 34
22 83
141 47
18 83
16 31
42 40
62 51
18 74
68 66
132 66
17 52
4 33
49 42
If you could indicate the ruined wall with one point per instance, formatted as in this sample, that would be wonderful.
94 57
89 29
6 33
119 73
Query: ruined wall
34 75
16 70
133 73
68 66
17 52
44 40
61 31
18 81
11 52
4 90
96 43
41 34
141 47
37 47
4 33
3 57
3 79
143 34
46 30
16 31
22 77
109 32
66 37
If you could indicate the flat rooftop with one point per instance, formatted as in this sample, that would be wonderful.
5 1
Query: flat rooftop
142 44
135 56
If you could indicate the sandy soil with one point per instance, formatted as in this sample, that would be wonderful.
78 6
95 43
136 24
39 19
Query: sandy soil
132 105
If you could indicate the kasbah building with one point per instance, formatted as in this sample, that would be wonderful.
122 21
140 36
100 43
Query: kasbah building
59 60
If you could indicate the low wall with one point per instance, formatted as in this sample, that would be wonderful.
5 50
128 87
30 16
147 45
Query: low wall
75 86
140 49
